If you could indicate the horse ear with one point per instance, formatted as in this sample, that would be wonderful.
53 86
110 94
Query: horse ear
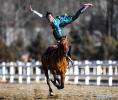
66 37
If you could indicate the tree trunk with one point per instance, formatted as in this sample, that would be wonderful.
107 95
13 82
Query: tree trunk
109 20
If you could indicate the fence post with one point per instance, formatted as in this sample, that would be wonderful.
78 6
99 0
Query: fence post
28 65
12 68
87 72
4 71
38 71
116 70
110 73
67 74
104 71
98 72
76 72
94 71
20 79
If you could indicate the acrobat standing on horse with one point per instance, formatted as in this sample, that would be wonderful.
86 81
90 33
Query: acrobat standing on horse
59 22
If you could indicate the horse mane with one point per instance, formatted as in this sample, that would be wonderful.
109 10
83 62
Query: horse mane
62 47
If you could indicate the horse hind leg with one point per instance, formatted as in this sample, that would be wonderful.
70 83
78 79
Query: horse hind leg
48 83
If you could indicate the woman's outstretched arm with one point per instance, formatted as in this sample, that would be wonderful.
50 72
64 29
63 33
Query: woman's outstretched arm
35 12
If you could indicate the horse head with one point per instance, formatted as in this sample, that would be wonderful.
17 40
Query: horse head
64 44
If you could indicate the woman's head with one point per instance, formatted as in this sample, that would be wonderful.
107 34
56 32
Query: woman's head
49 16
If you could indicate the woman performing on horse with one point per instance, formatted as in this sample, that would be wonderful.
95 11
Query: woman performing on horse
59 22
55 59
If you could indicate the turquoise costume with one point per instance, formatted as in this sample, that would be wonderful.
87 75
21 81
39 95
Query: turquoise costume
61 21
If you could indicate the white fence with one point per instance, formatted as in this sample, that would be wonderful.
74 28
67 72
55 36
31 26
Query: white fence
83 72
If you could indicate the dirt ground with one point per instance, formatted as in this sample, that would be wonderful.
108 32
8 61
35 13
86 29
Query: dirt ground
39 91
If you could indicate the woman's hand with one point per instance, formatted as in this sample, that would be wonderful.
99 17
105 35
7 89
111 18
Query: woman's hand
31 8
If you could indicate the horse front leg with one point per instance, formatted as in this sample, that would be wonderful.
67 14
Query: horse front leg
56 81
62 81
48 82
61 86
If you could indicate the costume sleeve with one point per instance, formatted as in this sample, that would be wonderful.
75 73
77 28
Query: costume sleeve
37 13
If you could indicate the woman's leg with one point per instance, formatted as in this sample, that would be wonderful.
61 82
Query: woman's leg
80 11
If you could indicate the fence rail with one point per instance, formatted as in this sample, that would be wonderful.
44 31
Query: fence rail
82 72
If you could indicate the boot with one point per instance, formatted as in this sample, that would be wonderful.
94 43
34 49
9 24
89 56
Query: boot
68 55
69 58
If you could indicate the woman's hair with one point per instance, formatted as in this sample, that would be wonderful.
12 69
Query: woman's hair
48 13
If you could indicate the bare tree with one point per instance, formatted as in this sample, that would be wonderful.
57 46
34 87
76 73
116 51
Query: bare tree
109 20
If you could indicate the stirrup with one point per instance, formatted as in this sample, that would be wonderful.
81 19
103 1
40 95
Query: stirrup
72 62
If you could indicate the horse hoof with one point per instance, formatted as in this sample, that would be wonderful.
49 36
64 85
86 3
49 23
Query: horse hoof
60 87
51 94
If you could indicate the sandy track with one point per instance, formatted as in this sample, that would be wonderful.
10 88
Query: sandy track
70 92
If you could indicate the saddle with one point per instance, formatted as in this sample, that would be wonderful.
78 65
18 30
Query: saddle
51 49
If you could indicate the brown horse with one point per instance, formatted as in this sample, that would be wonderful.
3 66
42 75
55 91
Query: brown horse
54 59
